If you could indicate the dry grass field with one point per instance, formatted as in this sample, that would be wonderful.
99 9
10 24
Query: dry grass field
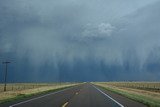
150 86
24 86
144 92
19 89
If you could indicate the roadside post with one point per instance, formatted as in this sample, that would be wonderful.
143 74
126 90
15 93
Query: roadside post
5 75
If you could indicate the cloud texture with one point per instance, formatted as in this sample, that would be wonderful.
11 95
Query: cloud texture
79 40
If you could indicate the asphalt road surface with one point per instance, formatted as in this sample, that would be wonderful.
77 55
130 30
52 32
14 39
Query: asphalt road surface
85 95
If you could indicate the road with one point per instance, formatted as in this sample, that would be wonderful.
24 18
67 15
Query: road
85 95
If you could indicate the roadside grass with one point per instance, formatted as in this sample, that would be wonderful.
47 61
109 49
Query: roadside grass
20 95
149 86
146 98
26 86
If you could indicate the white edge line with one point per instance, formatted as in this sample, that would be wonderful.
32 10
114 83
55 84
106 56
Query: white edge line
108 96
38 97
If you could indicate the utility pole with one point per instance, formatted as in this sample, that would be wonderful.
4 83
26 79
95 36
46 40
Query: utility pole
5 76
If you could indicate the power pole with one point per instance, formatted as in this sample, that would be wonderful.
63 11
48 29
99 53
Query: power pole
5 76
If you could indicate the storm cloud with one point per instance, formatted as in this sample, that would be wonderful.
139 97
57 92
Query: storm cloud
80 40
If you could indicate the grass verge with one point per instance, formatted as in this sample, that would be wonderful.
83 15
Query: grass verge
148 101
25 96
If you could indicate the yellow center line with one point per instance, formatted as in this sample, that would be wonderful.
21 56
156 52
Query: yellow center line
65 104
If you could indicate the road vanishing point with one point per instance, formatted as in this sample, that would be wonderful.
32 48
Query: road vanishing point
84 95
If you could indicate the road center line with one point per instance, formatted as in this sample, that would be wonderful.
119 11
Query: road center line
39 97
76 93
108 96
65 104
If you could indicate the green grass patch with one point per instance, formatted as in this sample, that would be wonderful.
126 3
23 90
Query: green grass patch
139 98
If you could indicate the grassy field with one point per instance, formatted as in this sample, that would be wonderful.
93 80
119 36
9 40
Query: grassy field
150 86
147 93
20 90
24 86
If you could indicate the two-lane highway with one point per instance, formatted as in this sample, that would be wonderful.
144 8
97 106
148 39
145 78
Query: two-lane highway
90 96
84 95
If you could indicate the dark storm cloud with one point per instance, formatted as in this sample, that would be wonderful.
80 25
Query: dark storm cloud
69 40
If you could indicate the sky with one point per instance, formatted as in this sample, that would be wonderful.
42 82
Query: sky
80 40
